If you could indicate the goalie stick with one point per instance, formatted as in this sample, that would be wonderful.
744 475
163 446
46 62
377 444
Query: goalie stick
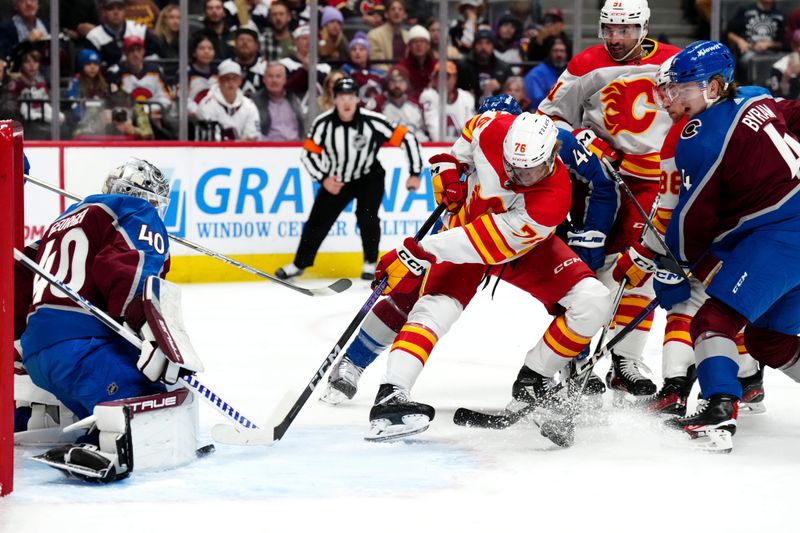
338 286
189 381
504 419
269 434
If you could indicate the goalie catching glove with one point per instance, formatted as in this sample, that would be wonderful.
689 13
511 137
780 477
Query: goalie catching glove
402 266
446 173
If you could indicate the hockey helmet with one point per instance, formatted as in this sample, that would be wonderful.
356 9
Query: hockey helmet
700 61
635 12
500 102
140 179
529 148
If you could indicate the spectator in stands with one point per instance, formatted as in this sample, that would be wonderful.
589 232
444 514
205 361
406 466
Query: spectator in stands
24 26
516 88
481 72
460 106
297 66
754 30
463 30
552 26
256 13
792 24
432 25
228 109
388 41
128 118
419 60
278 35
217 27
541 78
325 100
9 110
202 71
107 38
167 28
332 42
141 79
506 41
373 13
90 87
280 113
144 12
785 77
369 79
31 92
246 53
399 107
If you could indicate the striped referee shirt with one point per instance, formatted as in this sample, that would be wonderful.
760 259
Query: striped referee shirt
350 150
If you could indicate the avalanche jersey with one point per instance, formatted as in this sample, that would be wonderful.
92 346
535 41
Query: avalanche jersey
147 86
739 165
616 101
103 247
499 220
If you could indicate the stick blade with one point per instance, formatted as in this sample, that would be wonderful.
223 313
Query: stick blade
338 286
261 436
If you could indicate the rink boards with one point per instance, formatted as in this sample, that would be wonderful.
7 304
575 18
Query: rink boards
245 200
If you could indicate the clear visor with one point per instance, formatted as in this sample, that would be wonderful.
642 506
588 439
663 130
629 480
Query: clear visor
529 176
669 93
620 31
161 203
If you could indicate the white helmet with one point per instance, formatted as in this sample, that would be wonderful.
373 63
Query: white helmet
530 144
140 179
625 12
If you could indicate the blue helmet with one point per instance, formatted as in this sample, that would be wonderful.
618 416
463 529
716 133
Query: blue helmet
701 60
500 102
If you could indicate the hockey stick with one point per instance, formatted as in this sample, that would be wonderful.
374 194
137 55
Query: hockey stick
338 286
189 381
471 418
232 435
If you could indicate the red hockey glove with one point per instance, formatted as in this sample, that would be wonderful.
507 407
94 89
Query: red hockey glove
636 264
403 266
597 146
446 173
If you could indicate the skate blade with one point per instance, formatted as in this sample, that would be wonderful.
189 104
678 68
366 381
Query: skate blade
332 397
382 430
752 408
712 441
623 400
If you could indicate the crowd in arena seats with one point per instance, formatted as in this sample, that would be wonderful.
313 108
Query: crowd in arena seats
119 61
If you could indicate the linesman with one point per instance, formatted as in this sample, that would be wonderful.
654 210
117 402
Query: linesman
341 153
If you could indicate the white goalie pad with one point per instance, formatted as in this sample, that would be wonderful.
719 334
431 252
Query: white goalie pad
48 418
162 309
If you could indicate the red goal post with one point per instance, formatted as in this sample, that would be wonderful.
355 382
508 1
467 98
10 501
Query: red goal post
11 236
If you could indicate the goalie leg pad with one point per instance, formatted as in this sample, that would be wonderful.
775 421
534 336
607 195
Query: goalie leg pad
39 417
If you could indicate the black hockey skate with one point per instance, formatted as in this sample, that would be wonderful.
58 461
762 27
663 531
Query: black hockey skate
753 393
713 425
288 271
625 378
342 383
672 398
591 394
395 416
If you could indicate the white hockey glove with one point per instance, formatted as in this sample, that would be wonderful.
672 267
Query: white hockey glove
153 362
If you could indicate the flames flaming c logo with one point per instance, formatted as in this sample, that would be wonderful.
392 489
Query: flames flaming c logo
621 99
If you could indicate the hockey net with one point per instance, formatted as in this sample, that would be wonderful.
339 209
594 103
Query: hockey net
11 236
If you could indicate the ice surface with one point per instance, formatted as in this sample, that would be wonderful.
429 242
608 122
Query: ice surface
258 339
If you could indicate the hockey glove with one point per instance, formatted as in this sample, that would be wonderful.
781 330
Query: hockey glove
589 246
635 264
597 146
446 173
671 289
153 362
403 266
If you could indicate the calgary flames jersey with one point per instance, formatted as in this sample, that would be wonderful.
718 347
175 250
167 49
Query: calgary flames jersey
616 100
499 220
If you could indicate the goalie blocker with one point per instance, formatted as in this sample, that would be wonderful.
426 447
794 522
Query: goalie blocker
153 432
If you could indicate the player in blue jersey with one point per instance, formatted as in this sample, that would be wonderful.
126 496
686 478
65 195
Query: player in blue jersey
736 226
586 239
104 248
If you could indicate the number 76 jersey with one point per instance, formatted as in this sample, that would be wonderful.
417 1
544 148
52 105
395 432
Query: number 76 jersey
104 248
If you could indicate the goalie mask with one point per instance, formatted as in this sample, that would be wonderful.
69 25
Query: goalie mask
139 179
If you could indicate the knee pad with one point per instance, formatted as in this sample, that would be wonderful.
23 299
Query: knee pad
770 347
588 306
715 316
437 312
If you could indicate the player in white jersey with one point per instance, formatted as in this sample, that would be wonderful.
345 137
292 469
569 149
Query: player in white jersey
608 89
